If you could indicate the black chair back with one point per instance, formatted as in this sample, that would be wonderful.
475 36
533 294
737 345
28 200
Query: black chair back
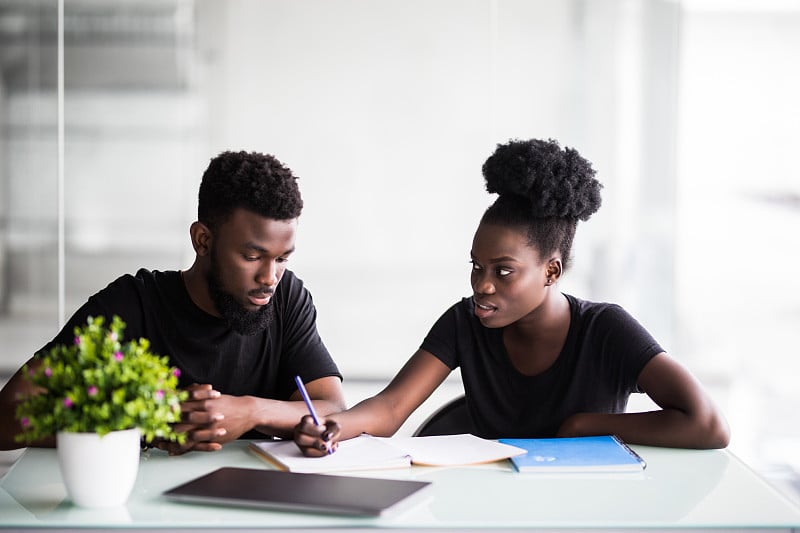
450 419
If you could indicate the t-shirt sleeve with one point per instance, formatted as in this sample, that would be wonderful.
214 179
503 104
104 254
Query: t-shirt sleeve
626 344
304 353
115 299
442 339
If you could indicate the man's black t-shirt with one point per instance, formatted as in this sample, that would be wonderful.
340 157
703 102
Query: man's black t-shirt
605 350
156 305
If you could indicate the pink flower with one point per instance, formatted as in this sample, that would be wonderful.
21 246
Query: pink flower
176 372
113 336
77 340
68 402
48 372
92 391
25 421
159 395
118 356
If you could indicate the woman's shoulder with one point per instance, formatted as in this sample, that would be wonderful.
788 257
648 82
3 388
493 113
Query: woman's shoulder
606 318
590 306
588 310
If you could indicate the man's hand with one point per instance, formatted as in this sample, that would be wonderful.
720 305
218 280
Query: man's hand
211 419
201 421
231 415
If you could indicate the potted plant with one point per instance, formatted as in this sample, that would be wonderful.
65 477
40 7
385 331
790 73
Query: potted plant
100 396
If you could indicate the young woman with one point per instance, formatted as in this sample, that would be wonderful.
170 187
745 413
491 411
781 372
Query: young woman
536 362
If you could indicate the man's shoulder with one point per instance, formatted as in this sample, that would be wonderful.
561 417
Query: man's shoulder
144 279
291 278
458 316
290 286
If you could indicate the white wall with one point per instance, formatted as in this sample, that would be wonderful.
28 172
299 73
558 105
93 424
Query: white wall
387 111
737 283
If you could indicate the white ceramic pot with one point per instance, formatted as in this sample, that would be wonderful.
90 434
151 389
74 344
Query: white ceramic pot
99 471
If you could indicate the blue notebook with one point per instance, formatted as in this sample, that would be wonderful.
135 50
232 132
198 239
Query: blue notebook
576 454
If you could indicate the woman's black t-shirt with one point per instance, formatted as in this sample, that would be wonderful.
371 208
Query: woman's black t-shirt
605 350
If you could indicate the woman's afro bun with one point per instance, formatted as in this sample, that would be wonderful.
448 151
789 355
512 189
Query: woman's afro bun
557 183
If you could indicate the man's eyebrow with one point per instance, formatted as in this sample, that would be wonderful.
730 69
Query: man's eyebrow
257 248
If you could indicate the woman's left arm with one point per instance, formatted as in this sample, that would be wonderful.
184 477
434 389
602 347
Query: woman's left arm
688 417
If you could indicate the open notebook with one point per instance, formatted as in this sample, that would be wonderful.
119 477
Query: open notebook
374 453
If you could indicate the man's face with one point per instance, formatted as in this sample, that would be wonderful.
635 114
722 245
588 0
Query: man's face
248 257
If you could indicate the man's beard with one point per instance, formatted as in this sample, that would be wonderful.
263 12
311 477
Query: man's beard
239 319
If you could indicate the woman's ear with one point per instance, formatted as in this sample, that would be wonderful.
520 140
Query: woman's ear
201 238
554 270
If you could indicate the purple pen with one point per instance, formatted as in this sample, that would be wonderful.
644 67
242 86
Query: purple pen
304 393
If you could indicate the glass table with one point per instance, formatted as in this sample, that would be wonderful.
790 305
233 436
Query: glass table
695 489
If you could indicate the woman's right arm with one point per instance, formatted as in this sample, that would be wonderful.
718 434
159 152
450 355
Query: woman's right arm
382 414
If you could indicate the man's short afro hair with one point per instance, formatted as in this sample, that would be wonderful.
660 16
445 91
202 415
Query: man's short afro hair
557 183
250 180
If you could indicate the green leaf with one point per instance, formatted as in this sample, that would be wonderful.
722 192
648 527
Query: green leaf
109 385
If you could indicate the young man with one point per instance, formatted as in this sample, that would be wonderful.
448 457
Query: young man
238 325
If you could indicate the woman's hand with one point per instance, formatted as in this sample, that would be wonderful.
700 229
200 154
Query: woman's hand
314 440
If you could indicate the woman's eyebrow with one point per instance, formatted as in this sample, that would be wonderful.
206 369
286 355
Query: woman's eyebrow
502 259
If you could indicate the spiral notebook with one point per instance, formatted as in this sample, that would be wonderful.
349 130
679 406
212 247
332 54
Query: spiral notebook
605 453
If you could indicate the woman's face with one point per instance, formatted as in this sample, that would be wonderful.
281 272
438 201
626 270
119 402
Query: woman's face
509 279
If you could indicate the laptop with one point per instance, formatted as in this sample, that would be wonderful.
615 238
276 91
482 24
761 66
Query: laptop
296 492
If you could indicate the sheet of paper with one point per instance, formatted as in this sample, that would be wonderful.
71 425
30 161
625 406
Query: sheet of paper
451 450
360 453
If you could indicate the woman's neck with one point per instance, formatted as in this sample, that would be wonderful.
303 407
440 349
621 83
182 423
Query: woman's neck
534 342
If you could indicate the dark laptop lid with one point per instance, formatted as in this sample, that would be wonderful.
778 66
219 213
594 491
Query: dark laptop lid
292 491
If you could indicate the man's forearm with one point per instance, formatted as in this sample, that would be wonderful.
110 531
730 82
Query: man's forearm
278 418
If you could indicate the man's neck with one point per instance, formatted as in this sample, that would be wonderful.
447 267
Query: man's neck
196 283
